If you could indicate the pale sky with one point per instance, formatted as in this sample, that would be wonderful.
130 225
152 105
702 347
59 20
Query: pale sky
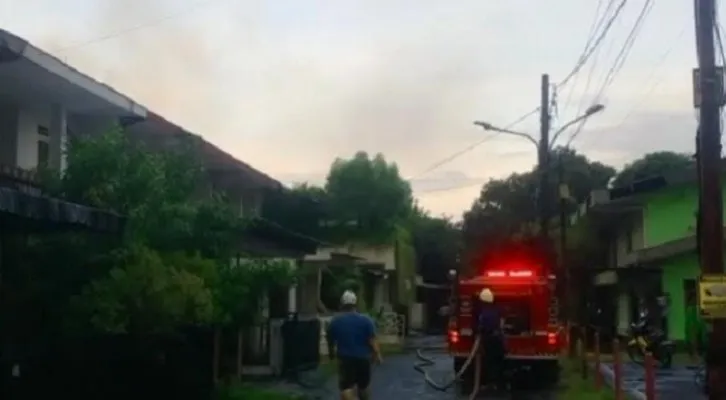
288 85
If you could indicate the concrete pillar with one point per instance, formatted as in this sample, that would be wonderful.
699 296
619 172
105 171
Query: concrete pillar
292 299
308 292
378 294
8 134
58 132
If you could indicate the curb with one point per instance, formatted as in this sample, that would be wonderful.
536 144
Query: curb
609 378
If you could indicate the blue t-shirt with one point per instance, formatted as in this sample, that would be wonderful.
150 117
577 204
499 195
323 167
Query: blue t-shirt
351 333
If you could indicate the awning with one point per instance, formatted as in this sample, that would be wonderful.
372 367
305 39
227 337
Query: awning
33 211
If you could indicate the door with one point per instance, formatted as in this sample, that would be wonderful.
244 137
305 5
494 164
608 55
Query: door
604 310
690 312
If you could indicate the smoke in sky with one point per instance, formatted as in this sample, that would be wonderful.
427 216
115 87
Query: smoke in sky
288 87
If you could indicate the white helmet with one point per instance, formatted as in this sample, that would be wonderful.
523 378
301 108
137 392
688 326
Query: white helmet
348 298
486 296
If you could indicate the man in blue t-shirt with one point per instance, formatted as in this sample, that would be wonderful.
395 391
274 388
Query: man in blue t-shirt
352 337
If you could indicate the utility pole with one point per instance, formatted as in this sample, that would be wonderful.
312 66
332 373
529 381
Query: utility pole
709 159
543 162
564 268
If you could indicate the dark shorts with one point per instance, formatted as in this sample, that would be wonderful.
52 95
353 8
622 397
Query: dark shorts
354 372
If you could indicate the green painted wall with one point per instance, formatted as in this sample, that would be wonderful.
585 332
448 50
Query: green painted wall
675 271
670 214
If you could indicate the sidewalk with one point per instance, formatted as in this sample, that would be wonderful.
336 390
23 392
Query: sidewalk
676 383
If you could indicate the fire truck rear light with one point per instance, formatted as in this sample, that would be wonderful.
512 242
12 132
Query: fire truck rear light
551 338
511 274
453 337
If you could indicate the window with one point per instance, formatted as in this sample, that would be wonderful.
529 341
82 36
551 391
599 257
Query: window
43 153
42 130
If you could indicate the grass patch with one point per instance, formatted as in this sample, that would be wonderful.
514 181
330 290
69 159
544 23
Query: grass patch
576 388
251 392
391 350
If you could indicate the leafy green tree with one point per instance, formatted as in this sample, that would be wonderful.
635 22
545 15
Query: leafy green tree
143 293
155 191
651 165
172 266
437 243
302 209
507 205
240 287
367 198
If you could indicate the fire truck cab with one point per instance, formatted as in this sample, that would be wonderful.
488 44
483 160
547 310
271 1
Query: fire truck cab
528 305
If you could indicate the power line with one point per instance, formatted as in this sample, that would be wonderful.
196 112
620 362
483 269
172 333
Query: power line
661 60
472 146
144 25
590 36
586 55
620 60
625 49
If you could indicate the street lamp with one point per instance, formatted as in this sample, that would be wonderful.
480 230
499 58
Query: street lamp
544 149
592 110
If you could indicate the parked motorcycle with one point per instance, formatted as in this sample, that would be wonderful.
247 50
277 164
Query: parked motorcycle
644 339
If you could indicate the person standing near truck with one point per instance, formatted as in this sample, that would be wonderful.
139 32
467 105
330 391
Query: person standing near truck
490 328
352 340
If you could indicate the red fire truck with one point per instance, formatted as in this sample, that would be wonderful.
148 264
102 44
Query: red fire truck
525 294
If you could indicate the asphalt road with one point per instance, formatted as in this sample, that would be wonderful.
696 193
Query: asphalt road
676 383
396 379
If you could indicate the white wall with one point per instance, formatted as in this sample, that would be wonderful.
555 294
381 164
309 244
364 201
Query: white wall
385 255
26 138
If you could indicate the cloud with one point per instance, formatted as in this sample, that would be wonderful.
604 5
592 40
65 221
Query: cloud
640 134
288 87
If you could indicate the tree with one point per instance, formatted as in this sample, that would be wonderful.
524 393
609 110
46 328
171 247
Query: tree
368 199
172 265
651 165
506 205
155 191
302 209
143 293
437 243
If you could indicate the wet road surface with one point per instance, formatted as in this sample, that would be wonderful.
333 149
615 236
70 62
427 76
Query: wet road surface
676 383
396 379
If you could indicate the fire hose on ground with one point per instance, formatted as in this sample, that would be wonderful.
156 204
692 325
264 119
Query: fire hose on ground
427 362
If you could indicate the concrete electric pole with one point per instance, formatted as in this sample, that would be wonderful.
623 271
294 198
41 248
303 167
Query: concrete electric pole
709 159
543 159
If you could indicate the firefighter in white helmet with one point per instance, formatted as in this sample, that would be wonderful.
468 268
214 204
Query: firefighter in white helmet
490 325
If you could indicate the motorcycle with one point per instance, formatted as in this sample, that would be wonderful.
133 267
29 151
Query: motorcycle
645 340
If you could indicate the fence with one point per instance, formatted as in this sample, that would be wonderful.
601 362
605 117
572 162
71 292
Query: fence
593 363
114 367
301 338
